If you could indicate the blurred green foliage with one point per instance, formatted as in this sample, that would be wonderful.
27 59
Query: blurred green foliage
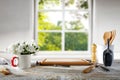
51 41
76 41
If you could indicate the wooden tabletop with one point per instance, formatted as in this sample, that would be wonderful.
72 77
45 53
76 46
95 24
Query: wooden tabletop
66 73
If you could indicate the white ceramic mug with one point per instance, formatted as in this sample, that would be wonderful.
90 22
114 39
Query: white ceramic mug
22 61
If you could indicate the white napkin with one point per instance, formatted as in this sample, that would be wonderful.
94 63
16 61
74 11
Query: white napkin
3 61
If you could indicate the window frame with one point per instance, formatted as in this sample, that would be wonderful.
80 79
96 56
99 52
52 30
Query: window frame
62 52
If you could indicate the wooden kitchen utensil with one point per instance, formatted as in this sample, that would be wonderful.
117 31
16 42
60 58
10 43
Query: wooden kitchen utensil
113 34
106 36
64 61
5 71
88 69
97 65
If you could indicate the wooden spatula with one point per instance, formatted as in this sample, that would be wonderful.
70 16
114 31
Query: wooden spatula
113 34
106 36
88 69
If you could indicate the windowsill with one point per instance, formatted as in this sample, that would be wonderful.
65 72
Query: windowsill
54 54
41 56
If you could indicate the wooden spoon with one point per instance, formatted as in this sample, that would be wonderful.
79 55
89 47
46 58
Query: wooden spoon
88 69
106 36
113 34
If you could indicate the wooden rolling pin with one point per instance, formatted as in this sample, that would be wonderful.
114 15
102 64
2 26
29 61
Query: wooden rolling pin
64 61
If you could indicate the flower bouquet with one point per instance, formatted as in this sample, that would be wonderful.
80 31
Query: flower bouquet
23 48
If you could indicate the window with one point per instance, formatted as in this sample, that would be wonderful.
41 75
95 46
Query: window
63 25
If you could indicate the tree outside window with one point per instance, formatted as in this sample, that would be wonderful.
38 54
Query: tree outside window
63 25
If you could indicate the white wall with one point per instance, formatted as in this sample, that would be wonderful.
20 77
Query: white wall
106 18
15 21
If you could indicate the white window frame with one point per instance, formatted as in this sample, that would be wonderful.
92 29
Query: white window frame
64 54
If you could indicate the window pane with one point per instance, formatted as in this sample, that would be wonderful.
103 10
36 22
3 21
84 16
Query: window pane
49 41
76 41
76 20
50 4
76 4
49 20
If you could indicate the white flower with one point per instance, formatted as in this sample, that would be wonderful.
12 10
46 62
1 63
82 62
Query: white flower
20 49
26 47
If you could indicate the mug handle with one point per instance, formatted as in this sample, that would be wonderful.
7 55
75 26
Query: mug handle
13 63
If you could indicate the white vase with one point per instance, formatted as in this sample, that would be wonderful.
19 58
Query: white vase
24 61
